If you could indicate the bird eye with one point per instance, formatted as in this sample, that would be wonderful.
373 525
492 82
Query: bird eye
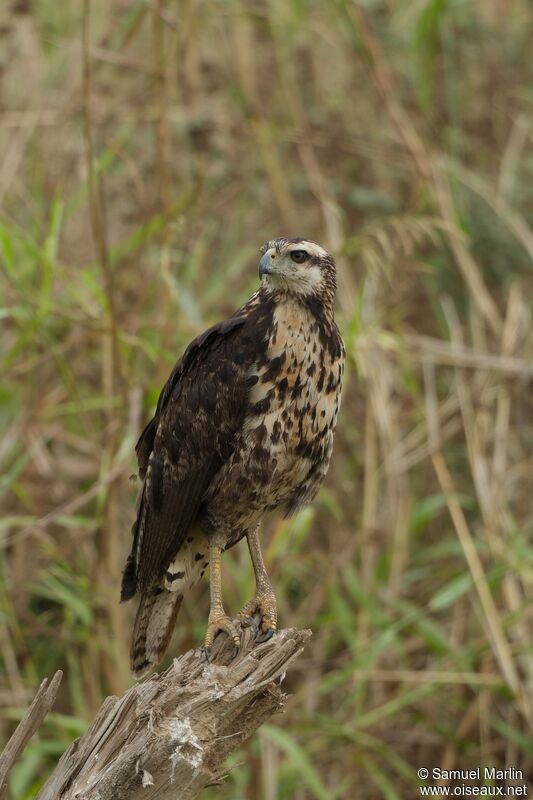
299 256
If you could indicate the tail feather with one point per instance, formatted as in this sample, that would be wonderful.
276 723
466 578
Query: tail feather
129 580
152 631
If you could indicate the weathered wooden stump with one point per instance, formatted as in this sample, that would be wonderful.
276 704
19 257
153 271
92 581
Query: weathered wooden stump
168 736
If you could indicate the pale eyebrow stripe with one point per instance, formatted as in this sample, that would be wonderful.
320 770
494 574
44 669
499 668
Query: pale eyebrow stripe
312 248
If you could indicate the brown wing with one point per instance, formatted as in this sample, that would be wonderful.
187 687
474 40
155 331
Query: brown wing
199 412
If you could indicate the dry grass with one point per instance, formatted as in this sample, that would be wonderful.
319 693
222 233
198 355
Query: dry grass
147 150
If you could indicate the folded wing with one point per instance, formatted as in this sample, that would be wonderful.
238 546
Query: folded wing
199 413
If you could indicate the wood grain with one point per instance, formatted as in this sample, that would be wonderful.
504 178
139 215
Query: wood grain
168 736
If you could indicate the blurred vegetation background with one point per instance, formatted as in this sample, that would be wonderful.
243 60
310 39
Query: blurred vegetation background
147 149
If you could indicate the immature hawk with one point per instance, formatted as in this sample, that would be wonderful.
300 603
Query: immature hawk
243 425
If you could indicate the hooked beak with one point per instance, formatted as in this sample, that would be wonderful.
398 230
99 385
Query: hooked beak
265 265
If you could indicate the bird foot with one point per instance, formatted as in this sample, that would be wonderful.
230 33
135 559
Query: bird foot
219 621
261 615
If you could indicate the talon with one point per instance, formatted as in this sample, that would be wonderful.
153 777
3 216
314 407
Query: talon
206 652
268 634
261 615
218 623
255 624
249 621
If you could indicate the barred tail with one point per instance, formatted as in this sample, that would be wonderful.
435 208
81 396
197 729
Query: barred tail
153 629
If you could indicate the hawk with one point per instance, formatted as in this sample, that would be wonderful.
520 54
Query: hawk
243 426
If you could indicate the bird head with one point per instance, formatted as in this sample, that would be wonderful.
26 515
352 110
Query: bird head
297 266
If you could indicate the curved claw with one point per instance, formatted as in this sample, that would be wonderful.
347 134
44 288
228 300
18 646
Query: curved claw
219 623
268 634
261 615
250 621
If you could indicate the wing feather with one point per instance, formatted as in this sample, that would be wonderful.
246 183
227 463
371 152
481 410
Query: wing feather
200 410
163 528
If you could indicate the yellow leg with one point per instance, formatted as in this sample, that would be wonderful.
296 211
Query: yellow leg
264 601
218 619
